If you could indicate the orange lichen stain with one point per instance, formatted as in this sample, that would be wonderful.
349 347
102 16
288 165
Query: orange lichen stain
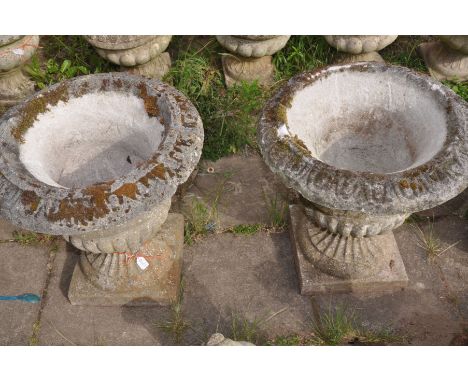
151 105
130 190
30 200
159 171
81 210
404 184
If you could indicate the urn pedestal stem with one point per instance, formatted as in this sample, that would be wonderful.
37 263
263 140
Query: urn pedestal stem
250 58
15 52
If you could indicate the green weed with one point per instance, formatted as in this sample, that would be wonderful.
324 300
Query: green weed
461 88
403 51
246 229
65 57
430 242
277 210
229 115
339 327
176 326
302 53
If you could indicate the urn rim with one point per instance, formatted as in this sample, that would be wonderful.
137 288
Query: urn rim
40 207
437 180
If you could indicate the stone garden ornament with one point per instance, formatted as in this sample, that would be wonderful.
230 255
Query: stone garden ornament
15 51
365 145
360 47
250 57
446 59
97 159
142 55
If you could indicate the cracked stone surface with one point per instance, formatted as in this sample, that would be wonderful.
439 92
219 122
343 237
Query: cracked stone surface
253 276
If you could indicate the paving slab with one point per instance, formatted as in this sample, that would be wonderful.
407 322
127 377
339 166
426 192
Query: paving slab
245 276
243 187
248 276
23 269
66 324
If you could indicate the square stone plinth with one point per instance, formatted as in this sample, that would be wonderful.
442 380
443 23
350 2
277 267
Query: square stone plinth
159 291
313 281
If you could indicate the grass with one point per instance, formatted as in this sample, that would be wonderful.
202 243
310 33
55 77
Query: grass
201 218
64 57
277 209
229 114
243 329
430 242
403 51
302 53
339 327
30 238
34 339
176 326
291 340
246 229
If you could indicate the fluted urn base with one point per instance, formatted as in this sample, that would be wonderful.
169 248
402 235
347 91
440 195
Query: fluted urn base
332 263
149 276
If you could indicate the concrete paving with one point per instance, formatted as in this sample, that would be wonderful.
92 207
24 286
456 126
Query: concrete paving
227 275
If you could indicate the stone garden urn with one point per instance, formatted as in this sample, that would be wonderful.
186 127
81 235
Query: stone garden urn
365 145
142 55
446 59
15 51
360 47
251 57
96 159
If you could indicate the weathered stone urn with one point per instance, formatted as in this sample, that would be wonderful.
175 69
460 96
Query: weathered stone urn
365 145
15 51
251 57
96 159
446 59
360 47
142 55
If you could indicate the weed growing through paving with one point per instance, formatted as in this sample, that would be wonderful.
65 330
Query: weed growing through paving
176 326
243 329
339 327
65 57
31 238
430 242
246 229
277 210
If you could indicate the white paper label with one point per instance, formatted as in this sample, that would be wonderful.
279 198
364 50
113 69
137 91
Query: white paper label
142 263
18 52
